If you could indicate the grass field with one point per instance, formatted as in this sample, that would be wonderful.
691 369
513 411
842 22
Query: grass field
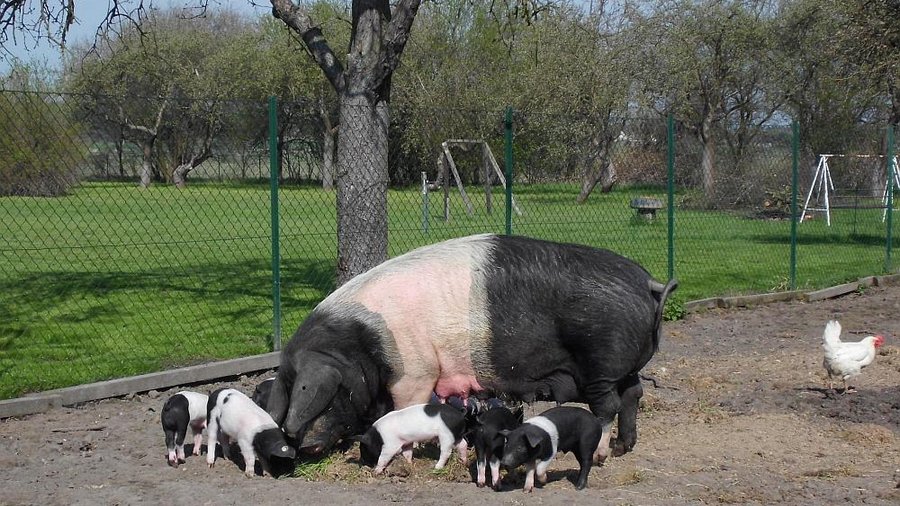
113 280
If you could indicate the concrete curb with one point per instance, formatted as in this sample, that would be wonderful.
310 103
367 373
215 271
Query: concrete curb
44 401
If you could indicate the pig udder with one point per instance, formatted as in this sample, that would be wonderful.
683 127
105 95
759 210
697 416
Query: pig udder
432 349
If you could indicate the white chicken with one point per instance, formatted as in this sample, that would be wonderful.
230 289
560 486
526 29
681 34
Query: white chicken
846 359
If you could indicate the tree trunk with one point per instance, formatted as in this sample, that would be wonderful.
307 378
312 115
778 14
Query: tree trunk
599 168
708 162
328 159
362 181
147 162
377 39
179 175
603 172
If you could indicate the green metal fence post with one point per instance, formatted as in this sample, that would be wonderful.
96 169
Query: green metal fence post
890 199
508 161
670 168
276 249
795 173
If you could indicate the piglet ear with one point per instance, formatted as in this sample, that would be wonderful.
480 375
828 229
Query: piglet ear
284 451
533 439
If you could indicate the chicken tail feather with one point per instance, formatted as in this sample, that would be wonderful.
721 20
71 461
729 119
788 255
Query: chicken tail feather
832 336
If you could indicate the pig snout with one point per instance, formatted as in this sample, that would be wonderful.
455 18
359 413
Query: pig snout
312 449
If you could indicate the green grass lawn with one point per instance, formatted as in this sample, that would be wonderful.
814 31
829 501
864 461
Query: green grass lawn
113 280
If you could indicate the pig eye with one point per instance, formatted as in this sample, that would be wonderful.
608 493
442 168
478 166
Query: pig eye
303 387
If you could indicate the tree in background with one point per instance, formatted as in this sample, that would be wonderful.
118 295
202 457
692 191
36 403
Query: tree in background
870 35
38 140
165 85
711 64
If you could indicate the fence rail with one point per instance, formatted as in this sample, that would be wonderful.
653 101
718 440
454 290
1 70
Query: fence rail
127 250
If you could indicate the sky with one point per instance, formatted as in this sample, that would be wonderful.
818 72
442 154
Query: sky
88 15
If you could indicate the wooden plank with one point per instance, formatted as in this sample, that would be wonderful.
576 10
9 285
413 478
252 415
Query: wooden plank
143 383
829 293
699 305
486 173
502 177
888 280
762 298
462 191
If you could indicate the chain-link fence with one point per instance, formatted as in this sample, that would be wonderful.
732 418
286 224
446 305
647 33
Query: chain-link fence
139 234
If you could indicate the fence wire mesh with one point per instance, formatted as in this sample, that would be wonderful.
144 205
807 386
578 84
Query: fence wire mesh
137 233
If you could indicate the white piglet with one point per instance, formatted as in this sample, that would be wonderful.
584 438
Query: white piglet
397 431
232 416
180 411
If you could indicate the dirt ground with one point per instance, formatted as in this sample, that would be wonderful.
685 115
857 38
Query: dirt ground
738 414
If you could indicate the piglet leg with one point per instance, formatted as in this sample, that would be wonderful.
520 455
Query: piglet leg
387 453
602 451
446 449
249 457
198 441
463 449
481 466
529 477
495 472
408 452
212 436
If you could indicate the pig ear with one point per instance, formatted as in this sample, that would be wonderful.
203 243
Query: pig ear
278 401
533 439
313 392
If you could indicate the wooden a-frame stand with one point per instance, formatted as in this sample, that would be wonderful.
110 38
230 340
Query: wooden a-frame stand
447 167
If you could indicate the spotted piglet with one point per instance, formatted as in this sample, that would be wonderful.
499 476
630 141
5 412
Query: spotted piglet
180 411
397 431
488 437
563 429
232 416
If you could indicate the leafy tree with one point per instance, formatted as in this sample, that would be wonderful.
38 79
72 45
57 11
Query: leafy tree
142 81
711 64
39 143
869 34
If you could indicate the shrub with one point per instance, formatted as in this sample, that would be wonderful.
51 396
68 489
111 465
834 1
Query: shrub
39 148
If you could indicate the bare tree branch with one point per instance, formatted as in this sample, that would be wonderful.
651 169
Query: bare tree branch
298 19
398 32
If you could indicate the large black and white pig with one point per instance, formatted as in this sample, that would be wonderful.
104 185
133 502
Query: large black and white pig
180 411
484 315
232 416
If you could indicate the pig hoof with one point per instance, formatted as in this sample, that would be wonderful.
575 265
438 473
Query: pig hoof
480 484
620 450
210 464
